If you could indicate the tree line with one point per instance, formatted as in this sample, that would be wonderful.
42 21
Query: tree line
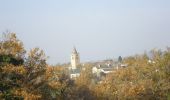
25 75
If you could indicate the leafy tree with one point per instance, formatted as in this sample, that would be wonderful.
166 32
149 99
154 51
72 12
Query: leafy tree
12 72
84 84
57 85
11 45
35 65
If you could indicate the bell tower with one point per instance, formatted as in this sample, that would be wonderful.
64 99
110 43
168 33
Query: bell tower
75 59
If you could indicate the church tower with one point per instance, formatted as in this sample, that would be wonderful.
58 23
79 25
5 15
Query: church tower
75 59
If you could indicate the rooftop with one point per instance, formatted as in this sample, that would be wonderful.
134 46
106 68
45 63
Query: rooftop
74 51
75 71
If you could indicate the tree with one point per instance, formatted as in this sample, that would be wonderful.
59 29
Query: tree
36 67
12 71
84 84
11 45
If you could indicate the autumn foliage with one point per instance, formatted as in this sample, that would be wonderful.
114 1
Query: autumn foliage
27 76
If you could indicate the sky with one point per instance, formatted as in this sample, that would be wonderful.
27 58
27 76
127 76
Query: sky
99 29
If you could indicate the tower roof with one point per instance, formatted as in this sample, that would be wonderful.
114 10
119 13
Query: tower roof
74 50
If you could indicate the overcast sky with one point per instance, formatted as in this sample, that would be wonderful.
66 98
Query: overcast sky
100 29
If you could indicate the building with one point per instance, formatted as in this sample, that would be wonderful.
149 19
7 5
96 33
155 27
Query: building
75 70
75 59
105 69
74 73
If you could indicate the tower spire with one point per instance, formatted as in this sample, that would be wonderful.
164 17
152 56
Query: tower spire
74 50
